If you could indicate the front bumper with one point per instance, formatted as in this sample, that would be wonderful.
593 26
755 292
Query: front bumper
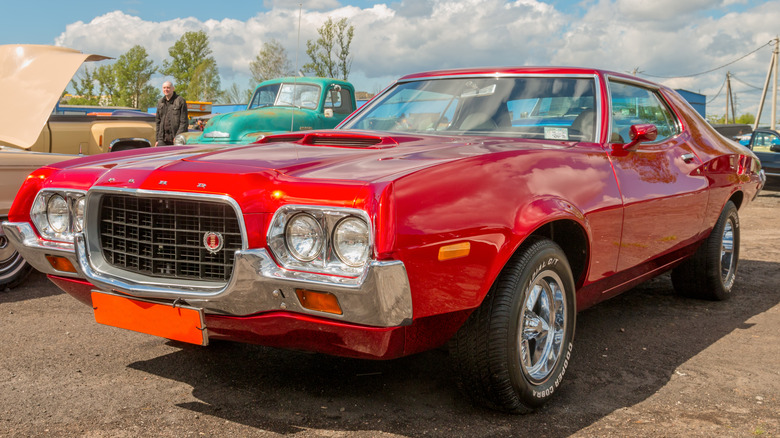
380 298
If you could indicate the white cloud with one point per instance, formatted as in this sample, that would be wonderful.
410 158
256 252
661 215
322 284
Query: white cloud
662 37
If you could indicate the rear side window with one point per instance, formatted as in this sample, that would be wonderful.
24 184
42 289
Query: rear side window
634 105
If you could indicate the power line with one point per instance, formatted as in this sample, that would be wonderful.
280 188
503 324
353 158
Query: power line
718 94
745 83
711 70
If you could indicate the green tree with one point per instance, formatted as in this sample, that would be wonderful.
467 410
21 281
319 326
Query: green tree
107 85
84 88
236 94
329 54
192 66
205 83
133 71
271 62
746 119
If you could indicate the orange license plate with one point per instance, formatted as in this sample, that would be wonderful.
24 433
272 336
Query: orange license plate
180 323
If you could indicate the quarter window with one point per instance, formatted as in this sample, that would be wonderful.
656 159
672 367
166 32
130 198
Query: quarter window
633 105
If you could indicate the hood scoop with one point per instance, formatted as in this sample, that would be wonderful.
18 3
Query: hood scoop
333 138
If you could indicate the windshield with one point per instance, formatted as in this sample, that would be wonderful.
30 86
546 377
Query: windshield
558 108
287 94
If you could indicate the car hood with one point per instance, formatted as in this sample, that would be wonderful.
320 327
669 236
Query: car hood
32 78
332 155
266 120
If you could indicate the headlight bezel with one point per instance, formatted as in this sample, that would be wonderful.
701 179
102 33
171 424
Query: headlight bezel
75 204
327 260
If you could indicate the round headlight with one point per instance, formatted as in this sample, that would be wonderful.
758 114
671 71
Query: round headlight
351 241
304 237
57 213
179 139
78 221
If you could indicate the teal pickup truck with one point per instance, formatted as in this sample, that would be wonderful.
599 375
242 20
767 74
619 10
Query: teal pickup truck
281 105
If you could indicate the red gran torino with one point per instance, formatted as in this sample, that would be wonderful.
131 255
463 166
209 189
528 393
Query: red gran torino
478 207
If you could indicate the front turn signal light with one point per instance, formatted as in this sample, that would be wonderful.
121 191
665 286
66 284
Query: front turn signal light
61 264
319 301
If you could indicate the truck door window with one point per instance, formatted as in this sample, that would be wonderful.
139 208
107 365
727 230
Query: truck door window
340 101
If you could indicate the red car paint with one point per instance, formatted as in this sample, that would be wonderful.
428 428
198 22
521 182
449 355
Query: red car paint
626 215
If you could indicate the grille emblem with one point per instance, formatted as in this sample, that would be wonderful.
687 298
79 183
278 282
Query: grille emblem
213 241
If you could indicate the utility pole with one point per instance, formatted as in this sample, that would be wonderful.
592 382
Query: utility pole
776 52
730 100
773 65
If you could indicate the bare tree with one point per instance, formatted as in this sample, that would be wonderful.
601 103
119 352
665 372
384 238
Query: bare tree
270 63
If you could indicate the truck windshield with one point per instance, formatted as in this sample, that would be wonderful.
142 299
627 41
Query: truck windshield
287 94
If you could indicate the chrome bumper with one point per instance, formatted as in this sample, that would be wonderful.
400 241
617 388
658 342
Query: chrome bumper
34 249
380 298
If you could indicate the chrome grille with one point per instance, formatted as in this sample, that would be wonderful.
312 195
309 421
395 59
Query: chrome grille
163 237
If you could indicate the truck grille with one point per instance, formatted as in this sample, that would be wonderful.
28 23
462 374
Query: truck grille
164 237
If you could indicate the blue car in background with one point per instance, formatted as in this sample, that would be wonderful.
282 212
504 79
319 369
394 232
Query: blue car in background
765 143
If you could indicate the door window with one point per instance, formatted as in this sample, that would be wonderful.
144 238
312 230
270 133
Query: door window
634 105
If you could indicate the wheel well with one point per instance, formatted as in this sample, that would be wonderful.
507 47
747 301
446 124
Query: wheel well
570 236
737 198
125 144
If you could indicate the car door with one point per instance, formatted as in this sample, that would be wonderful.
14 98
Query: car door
664 192
337 106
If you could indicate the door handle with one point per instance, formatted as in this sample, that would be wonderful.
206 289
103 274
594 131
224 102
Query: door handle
687 157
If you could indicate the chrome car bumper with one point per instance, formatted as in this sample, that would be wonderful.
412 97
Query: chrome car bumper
380 298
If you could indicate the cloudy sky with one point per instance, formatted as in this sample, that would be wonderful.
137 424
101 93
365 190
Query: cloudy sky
670 41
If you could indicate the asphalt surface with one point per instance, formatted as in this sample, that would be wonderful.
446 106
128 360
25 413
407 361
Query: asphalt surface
646 363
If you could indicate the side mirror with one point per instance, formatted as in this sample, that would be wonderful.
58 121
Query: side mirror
640 134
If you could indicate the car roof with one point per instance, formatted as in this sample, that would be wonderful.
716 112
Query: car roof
512 71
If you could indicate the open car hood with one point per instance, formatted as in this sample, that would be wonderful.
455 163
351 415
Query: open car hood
32 78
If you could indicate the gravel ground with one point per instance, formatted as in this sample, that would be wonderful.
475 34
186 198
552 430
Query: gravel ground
646 363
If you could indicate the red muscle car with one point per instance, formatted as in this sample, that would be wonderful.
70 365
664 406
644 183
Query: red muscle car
483 207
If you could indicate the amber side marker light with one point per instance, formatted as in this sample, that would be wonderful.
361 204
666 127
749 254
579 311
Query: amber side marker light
449 252
319 301
61 264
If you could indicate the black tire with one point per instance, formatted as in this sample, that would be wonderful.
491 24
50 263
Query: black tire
13 268
709 274
499 365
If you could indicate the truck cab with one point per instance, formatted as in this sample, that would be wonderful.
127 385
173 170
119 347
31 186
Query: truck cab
282 105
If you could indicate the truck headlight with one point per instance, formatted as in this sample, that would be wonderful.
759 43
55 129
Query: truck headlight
179 139
57 214
351 241
304 237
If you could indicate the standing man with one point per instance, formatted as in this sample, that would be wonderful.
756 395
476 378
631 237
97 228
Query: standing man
171 115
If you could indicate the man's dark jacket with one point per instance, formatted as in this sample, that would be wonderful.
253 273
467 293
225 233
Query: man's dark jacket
171 118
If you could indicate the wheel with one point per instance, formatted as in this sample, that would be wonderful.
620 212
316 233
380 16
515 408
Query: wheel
709 274
512 352
13 268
